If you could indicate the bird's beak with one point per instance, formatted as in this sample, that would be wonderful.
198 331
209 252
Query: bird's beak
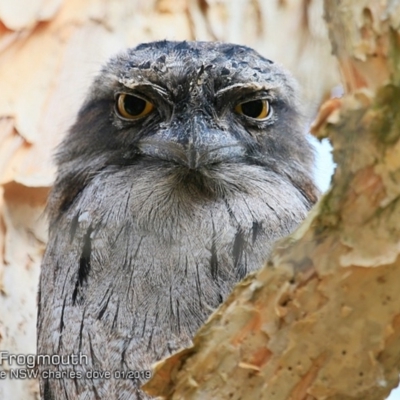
194 144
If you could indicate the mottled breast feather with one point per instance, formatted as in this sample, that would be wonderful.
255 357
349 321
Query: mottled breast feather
154 216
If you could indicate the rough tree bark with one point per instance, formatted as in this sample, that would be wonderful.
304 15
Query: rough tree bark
49 52
322 319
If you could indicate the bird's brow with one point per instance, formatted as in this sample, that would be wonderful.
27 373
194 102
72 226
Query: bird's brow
134 85
253 86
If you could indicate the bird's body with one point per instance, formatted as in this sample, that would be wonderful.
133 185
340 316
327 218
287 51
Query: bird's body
170 189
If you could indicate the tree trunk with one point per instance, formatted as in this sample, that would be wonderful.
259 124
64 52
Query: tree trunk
322 319
49 52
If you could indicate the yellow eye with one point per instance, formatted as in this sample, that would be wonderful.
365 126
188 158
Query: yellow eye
256 109
133 107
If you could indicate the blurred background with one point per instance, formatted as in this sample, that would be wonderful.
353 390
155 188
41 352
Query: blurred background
50 50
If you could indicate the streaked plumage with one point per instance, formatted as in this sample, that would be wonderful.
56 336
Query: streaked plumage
153 219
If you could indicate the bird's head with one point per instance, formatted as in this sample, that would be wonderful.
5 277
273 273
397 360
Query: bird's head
199 109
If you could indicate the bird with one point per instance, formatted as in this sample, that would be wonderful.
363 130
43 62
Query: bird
184 165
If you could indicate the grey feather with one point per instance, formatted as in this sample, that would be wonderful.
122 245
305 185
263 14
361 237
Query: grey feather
153 220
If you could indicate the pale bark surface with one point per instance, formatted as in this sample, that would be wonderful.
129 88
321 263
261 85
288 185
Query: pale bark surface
322 319
50 51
